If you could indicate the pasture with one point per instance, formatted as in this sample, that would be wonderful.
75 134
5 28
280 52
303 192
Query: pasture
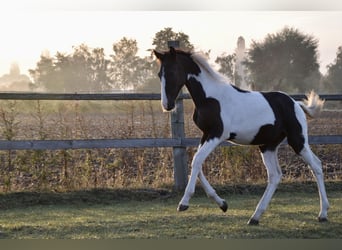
70 170
151 214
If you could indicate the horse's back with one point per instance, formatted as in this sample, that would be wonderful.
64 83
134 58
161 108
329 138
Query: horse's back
266 118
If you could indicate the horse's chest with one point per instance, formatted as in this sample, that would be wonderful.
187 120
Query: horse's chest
208 118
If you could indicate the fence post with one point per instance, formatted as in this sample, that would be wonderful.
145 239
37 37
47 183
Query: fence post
180 162
180 168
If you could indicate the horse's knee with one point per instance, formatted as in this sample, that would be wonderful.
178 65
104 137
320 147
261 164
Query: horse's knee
196 163
275 178
318 172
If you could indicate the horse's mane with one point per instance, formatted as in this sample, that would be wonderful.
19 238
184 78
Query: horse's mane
203 63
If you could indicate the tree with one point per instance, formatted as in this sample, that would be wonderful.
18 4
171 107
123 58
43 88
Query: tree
126 68
100 79
88 69
285 61
44 74
83 70
167 34
333 78
151 81
226 63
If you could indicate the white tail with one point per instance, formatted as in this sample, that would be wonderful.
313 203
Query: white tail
313 105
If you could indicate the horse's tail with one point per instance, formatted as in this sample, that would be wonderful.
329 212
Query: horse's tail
313 105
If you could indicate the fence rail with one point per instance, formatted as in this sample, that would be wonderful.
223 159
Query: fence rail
131 143
178 141
117 96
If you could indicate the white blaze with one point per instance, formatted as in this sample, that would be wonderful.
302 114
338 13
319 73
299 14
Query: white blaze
163 91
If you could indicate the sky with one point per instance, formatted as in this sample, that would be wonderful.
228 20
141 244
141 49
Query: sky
29 27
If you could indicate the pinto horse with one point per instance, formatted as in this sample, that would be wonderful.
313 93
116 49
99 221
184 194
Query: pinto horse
225 112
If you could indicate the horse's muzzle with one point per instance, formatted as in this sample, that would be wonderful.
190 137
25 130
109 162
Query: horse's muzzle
168 107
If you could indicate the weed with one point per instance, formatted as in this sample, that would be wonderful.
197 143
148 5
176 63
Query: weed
8 115
65 170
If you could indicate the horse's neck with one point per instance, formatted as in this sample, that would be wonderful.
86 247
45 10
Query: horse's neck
204 85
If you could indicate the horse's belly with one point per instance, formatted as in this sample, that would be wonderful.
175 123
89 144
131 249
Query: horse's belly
243 138
246 134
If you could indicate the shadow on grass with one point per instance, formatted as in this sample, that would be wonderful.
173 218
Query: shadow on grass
110 196
94 196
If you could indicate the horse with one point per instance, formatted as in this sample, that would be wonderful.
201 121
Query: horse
226 112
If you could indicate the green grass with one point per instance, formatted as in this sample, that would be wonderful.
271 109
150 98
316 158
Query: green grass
105 214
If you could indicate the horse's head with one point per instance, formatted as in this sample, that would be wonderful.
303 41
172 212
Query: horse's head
172 76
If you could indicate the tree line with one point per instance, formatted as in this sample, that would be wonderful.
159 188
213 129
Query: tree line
286 61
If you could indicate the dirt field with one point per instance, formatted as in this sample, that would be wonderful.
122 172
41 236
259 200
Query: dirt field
153 167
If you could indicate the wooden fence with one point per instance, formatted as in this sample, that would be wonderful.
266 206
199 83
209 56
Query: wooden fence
178 141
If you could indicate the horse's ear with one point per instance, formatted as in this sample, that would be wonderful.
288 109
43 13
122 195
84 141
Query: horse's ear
159 55
172 51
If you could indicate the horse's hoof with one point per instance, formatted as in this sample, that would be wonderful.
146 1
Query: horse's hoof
322 219
224 206
181 207
253 222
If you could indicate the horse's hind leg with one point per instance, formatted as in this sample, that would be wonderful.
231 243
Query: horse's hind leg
316 167
274 174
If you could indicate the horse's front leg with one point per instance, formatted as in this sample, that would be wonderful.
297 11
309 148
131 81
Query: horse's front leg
210 191
196 167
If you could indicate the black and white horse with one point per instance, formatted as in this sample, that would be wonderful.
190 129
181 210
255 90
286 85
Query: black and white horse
225 112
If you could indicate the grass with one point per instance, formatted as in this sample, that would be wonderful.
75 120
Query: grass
144 214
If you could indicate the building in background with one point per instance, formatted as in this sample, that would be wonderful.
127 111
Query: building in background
240 75
14 81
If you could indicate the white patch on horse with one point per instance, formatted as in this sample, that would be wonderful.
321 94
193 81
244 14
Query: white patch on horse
301 117
245 106
164 101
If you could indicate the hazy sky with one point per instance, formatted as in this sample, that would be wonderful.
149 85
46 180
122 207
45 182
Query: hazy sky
27 30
